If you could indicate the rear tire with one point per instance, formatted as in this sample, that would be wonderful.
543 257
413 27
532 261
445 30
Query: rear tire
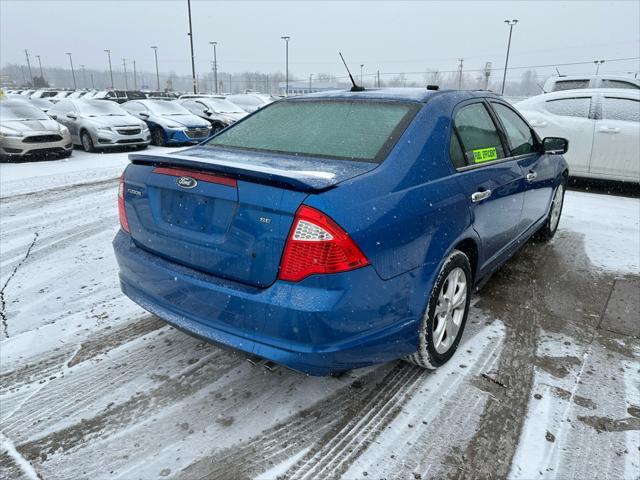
443 322
87 142
548 230
157 137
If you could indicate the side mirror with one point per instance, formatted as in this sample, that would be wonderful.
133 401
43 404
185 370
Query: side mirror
555 145
208 112
144 114
72 116
53 116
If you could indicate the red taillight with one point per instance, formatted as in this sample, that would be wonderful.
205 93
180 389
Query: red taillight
317 244
122 213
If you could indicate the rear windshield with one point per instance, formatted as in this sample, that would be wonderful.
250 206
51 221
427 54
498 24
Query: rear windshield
350 130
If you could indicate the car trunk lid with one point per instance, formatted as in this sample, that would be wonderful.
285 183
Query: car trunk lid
224 213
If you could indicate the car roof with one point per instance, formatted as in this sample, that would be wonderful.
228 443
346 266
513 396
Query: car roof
586 92
397 94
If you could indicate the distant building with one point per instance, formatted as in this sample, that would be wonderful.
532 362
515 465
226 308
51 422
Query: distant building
300 87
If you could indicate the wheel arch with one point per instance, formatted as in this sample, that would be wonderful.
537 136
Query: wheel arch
469 247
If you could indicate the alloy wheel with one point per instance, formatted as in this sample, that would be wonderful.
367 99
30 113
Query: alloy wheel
449 312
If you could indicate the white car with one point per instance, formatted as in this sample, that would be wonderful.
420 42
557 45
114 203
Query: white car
250 102
556 84
602 126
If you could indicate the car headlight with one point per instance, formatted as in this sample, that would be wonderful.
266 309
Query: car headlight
144 127
9 132
104 129
64 130
176 126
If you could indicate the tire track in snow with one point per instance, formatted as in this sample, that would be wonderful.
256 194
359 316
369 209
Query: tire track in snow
52 245
332 455
137 408
27 201
366 397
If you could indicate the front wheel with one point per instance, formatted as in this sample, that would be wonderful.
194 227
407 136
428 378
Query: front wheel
157 137
87 142
446 314
548 230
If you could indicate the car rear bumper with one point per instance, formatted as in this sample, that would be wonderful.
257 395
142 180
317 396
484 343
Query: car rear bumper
324 324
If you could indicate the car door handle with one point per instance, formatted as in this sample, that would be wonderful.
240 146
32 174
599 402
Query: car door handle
605 129
531 176
479 196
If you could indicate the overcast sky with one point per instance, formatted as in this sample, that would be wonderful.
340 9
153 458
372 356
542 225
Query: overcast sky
389 36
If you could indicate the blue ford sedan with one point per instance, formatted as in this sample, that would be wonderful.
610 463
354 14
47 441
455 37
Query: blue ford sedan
338 230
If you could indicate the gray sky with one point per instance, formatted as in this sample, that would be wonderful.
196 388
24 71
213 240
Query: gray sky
389 36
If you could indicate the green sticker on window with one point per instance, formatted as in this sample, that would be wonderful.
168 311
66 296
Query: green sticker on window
484 154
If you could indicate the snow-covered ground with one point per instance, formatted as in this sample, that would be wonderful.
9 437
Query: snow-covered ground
546 383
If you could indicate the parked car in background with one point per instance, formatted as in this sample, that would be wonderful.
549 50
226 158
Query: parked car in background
216 110
161 95
27 93
341 230
97 125
170 123
573 82
602 126
78 94
119 96
44 94
250 102
60 95
26 131
41 103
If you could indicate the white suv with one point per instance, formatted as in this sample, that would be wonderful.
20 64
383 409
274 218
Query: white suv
555 84
602 126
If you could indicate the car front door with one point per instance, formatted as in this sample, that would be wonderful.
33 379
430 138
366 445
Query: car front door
492 183
68 116
539 169
616 148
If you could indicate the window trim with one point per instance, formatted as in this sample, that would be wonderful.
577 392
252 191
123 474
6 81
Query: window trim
537 142
454 130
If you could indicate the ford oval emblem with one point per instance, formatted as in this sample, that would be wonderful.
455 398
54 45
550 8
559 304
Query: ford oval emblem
187 182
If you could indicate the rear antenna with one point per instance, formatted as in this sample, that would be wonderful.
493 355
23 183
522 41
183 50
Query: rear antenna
355 88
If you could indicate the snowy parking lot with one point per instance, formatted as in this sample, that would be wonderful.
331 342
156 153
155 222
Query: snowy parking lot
545 384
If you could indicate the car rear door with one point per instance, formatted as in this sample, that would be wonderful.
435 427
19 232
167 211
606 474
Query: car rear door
616 145
492 182
539 169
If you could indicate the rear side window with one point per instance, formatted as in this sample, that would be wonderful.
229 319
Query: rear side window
456 153
480 140
338 129
570 84
617 84
570 107
518 132
624 109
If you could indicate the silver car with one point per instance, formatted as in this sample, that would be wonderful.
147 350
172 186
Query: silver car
97 124
26 131
216 110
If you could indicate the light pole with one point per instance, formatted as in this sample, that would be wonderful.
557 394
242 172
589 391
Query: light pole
124 67
26 52
310 80
110 69
40 64
461 60
215 65
511 23
84 78
135 80
193 61
286 39
598 63
155 51
73 73
361 67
